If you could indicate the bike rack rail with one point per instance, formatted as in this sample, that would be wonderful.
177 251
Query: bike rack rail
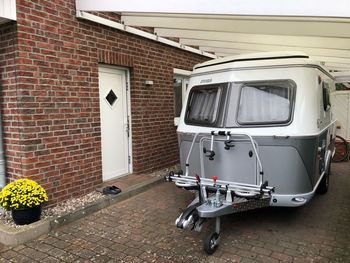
190 181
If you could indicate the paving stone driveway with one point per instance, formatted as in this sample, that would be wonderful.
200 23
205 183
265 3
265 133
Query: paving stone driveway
141 229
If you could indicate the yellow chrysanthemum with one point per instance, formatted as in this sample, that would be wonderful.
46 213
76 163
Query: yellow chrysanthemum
22 193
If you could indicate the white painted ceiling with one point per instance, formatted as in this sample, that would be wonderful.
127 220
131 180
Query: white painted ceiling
326 39
319 28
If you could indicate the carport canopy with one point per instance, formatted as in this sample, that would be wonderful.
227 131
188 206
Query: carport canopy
319 28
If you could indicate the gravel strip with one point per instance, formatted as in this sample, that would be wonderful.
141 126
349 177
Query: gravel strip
59 210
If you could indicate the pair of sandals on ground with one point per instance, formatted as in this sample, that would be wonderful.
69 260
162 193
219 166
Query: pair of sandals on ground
111 190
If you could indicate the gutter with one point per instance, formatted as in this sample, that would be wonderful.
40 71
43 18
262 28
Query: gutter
125 28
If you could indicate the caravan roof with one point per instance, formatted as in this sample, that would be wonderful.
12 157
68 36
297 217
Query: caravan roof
262 59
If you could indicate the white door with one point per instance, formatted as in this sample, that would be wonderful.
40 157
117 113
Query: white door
114 122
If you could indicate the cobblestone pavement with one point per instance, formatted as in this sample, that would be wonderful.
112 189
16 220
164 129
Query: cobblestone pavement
141 229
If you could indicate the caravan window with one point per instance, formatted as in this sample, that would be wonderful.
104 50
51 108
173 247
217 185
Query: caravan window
325 95
204 104
265 103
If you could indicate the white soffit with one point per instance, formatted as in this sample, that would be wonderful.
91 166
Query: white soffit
232 27
7 10
335 8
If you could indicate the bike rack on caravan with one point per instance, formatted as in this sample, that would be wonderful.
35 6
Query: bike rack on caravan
216 198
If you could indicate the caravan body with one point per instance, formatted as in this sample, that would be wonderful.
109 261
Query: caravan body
281 101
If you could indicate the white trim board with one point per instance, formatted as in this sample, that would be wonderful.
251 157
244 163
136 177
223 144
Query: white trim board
182 72
122 27
320 8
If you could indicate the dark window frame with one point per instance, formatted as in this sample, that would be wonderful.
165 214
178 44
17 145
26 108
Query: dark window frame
223 87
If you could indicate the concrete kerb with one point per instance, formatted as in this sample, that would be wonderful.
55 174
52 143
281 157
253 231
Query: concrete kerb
11 236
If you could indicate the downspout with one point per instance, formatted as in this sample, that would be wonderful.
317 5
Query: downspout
2 163
2 159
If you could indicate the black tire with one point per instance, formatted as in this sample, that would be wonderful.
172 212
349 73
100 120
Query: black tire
209 243
324 184
342 150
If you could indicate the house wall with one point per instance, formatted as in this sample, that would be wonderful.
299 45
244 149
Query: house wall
56 119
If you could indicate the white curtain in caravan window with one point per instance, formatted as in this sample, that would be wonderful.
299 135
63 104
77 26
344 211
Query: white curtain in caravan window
204 105
267 104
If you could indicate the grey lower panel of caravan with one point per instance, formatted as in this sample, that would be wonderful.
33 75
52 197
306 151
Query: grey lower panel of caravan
288 163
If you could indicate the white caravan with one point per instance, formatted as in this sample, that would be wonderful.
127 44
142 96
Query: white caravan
256 130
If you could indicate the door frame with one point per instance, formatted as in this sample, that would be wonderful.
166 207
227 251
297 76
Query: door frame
128 109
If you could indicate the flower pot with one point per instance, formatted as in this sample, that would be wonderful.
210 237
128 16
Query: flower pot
25 216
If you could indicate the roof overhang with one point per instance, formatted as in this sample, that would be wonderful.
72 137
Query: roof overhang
342 77
321 8
320 28
7 11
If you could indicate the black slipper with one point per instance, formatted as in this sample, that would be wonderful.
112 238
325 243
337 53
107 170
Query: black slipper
112 190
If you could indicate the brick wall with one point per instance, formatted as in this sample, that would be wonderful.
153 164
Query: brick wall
58 98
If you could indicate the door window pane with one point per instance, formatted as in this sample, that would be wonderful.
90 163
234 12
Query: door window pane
111 97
